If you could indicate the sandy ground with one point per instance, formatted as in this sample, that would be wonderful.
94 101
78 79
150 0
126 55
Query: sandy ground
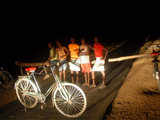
138 98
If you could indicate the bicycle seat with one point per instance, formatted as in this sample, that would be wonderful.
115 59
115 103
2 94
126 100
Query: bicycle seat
31 69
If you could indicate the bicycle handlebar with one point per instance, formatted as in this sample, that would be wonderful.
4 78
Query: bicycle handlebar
44 66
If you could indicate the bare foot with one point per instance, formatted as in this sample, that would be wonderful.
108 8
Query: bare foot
93 86
102 86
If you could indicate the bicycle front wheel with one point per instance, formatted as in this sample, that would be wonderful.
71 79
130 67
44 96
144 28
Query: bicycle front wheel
24 86
76 103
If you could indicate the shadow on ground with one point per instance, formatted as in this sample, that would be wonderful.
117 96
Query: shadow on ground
151 92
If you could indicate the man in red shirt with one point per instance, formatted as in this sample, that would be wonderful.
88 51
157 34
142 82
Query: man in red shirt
99 49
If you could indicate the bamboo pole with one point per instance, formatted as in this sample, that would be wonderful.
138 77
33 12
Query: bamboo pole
127 57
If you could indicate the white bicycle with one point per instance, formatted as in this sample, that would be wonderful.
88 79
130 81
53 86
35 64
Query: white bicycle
68 98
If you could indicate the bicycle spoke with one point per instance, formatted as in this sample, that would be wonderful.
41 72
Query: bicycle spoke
74 95
25 89
75 102
27 86
20 89
75 108
71 92
21 86
75 105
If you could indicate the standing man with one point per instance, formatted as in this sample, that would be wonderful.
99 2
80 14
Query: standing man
53 57
74 65
62 55
99 62
85 61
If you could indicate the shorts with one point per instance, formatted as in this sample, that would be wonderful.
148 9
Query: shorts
86 68
84 59
53 62
63 65
74 65
99 64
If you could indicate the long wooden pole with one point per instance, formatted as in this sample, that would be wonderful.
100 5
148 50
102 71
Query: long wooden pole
109 60
128 57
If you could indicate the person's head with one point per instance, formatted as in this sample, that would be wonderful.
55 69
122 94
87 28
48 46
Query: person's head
58 44
95 39
83 41
50 45
72 40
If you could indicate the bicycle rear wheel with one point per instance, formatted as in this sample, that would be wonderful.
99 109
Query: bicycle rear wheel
75 105
23 86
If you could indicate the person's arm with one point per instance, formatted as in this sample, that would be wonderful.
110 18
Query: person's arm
66 50
50 54
90 47
58 57
77 49
106 53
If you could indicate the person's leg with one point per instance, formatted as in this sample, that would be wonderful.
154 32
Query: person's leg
72 72
61 72
93 79
85 77
72 77
64 75
64 71
88 79
84 74
60 75
77 76
103 77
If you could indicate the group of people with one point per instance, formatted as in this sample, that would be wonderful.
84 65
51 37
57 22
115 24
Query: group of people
79 60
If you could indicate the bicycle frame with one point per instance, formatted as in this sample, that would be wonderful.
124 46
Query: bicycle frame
62 90
53 87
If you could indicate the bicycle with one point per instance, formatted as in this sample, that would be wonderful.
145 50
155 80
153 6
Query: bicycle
68 98
156 72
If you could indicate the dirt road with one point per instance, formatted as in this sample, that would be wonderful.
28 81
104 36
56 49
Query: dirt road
138 98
